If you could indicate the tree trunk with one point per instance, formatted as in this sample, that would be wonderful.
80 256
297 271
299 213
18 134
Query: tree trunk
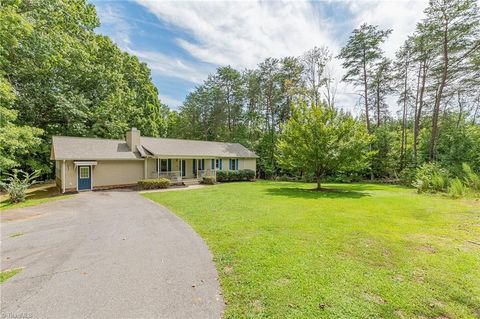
365 90
418 116
378 104
404 120
438 98
319 186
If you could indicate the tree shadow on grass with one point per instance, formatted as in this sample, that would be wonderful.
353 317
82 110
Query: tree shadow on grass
328 192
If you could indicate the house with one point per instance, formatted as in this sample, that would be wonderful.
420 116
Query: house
94 163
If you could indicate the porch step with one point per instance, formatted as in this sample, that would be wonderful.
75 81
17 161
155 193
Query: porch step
188 182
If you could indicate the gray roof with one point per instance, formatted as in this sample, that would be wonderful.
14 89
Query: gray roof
83 148
178 147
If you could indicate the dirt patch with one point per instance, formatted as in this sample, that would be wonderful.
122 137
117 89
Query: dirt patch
228 270
374 298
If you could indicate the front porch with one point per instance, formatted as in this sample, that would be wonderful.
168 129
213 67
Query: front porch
181 170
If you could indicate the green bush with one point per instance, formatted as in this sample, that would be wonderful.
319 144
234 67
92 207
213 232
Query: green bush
154 183
407 176
457 188
471 178
232 176
430 177
439 182
16 186
208 180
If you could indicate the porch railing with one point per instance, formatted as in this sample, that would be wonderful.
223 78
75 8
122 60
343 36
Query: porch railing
206 172
171 175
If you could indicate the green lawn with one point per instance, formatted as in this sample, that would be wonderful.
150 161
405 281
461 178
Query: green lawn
4 275
37 194
363 251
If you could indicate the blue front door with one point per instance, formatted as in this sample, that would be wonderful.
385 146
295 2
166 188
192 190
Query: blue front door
84 178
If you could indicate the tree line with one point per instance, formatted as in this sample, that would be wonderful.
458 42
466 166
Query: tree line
58 77
434 75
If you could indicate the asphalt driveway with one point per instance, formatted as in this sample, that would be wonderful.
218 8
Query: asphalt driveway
106 255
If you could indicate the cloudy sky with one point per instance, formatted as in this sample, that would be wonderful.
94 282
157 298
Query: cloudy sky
183 41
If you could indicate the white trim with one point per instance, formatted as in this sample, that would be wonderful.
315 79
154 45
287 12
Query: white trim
63 176
85 163
145 168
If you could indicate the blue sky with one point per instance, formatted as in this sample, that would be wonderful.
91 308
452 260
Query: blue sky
184 41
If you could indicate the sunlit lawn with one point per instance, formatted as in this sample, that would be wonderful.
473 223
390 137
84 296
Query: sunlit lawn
364 251
37 194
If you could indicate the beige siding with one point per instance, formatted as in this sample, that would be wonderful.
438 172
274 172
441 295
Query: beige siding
118 172
247 163
107 173
70 175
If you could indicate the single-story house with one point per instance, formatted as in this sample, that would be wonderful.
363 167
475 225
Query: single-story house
95 163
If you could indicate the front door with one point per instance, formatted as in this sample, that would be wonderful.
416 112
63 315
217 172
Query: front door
84 178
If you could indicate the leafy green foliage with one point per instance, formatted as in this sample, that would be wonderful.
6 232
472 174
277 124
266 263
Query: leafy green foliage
233 176
472 179
430 177
67 81
17 183
154 183
457 188
320 140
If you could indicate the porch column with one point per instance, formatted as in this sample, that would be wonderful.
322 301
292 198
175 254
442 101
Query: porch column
180 163
145 168
197 168
158 168
63 176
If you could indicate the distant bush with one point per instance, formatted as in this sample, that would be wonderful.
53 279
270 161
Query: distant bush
233 176
16 186
471 178
407 176
431 177
208 180
457 188
154 183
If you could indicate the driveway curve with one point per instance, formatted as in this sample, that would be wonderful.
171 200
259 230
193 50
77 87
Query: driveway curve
108 254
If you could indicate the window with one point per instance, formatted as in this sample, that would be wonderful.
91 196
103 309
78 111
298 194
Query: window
201 164
218 164
84 172
233 164
164 165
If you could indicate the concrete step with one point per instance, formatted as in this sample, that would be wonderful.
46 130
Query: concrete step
188 182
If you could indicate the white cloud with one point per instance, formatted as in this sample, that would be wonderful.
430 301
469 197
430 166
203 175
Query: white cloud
171 102
118 29
401 16
170 66
244 33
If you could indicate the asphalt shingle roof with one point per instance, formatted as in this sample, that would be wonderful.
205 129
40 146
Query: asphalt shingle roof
83 148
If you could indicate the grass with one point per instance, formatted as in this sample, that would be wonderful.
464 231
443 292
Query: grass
4 275
15 235
37 194
362 251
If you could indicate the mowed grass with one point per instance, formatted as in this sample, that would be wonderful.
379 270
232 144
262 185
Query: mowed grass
37 194
4 275
361 251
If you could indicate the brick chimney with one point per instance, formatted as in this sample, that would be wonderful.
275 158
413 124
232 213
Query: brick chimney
133 139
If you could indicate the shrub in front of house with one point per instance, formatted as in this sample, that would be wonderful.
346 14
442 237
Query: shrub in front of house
234 176
16 186
154 183
208 180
